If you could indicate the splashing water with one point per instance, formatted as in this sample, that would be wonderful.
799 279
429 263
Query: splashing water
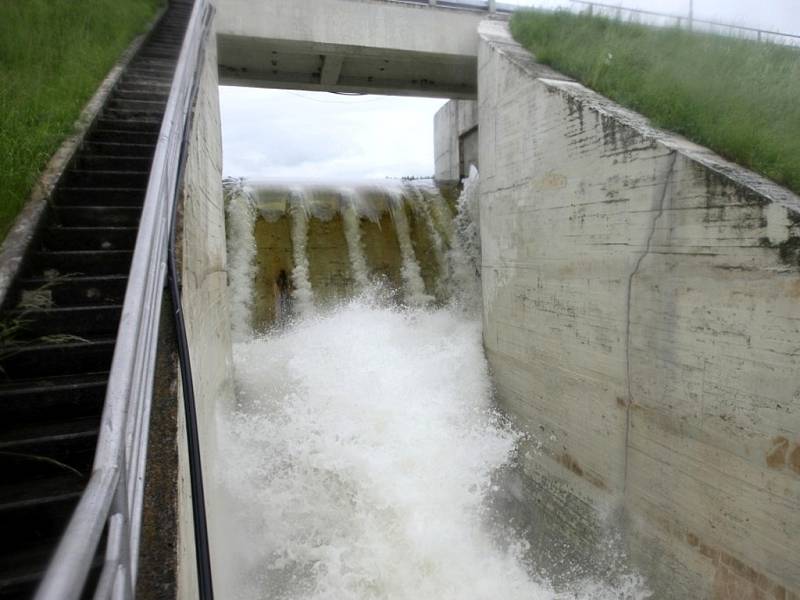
241 245
410 271
359 462
302 292
352 234
465 250
362 452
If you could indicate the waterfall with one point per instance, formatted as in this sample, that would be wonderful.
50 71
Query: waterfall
412 278
364 457
421 203
354 248
465 246
352 234
302 293
241 246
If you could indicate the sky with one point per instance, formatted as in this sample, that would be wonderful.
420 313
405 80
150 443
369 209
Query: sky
317 135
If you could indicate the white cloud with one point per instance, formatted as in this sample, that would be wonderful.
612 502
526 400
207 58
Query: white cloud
276 133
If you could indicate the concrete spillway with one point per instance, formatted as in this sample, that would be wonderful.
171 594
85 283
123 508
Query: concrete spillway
364 457
298 246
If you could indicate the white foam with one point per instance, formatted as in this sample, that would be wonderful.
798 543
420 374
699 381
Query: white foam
302 294
241 257
465 247
410 272
352 234
359 460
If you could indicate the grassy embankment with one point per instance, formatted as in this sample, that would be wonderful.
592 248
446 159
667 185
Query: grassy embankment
740 98
53 55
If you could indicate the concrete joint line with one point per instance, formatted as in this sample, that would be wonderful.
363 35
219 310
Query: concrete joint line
628 295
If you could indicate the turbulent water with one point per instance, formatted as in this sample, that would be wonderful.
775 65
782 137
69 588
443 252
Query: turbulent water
358 462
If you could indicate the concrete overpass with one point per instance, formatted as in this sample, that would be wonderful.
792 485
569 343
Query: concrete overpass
358 46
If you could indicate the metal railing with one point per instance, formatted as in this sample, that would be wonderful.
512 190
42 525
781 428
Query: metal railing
114 495
491 6
690 21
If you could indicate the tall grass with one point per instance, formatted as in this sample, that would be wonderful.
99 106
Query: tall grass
53 55
738 97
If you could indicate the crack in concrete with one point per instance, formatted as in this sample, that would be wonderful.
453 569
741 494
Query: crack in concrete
629 292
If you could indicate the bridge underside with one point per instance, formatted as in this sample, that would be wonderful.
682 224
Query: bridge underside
374 46
257 62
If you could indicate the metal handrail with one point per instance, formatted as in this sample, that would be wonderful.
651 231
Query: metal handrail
491 6
690 19
113 496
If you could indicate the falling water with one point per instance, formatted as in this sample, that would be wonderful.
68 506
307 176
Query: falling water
421 204
302 293
465 249
241 216
412 278
352 234
360 460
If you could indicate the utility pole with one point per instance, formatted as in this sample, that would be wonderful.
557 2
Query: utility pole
691 15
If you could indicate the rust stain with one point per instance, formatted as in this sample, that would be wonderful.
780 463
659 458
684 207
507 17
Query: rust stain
794 460
570 463
734 580
794 290
553 181
776 457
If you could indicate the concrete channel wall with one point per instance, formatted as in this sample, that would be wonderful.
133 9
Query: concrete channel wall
642 321
205 304
455 141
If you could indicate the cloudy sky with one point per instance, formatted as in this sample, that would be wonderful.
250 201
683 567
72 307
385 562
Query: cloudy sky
309 135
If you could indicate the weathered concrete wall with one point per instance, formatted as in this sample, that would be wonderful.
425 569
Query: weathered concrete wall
454 123
642 320
205 305
349 45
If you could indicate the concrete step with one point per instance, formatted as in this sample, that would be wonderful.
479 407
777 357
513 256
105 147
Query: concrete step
89 238
97 216
104 162
51 400
73 291
98 196
80 322
48 264
77 177
35 361
43 450
117 136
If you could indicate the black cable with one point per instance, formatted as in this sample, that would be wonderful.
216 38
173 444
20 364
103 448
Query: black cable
202 550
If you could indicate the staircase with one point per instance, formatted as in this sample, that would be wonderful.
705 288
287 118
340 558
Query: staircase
59 321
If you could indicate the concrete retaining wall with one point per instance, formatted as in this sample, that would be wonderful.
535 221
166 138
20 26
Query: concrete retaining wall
455 141
642 320
205 304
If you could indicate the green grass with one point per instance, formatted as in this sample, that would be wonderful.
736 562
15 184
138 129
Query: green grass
53 56
740 98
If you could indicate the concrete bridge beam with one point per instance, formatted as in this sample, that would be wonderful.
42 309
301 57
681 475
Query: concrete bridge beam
349 45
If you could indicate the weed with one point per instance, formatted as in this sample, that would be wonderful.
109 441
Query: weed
53 55
735 96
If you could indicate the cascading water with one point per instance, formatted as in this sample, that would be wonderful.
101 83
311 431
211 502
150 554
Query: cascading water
302 293
352 234
412 276
359 462
241 217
